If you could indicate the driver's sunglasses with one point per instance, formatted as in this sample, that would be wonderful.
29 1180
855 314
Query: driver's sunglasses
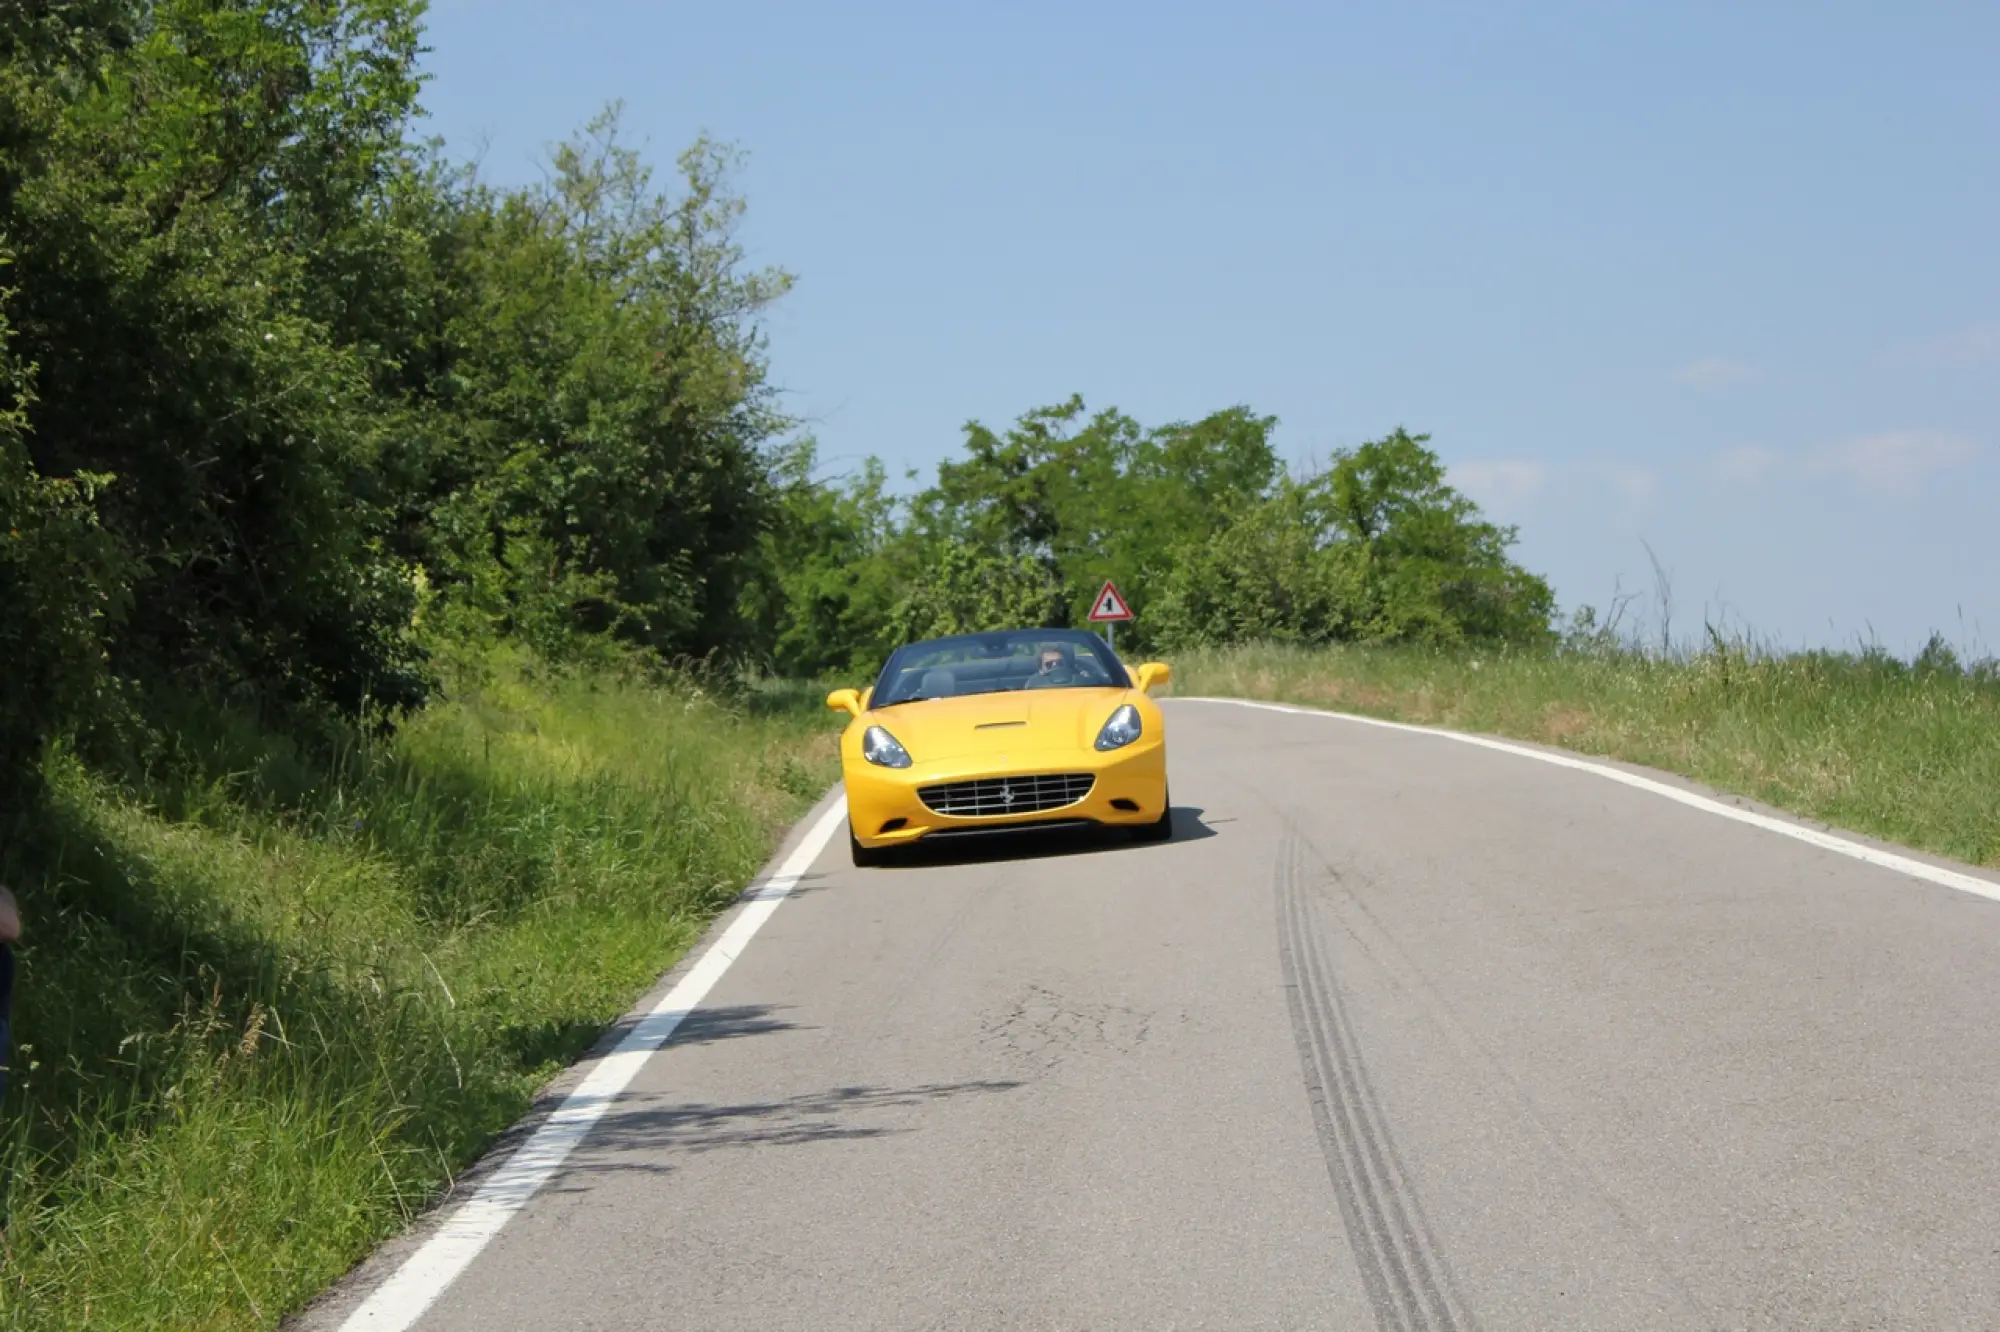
1050 662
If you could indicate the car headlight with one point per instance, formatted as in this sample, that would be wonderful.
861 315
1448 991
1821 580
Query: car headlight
1121 730
879 747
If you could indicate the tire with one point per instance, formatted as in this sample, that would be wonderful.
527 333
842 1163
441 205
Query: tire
864 856
1160 829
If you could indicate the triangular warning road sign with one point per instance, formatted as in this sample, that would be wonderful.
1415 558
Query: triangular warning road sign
1109 605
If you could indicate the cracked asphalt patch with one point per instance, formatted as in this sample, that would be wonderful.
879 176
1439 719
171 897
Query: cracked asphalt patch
1041 1030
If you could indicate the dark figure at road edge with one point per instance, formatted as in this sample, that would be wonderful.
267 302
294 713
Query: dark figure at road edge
10 930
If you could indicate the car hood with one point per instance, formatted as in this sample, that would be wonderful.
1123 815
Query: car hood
1014 722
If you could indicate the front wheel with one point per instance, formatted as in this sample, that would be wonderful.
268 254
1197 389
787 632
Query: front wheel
864 856
1160 829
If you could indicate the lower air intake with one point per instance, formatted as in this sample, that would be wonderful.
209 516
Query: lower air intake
989 797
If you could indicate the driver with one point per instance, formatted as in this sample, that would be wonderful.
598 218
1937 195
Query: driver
1055 669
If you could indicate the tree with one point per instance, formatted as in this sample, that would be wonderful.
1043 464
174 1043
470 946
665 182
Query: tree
1436 571
188 191
965 590
828 578
1194 519
1099 496
1376 548
1265 577
595 411
62 586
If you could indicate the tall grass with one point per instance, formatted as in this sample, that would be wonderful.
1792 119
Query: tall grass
1909 752
270 1002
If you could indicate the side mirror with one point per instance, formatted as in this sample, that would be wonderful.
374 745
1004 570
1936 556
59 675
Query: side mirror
1151 673
845 700
866 695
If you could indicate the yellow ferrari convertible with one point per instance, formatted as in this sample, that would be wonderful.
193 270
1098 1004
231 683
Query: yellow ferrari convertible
1001 732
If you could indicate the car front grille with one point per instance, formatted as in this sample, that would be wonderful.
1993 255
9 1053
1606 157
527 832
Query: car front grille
985 797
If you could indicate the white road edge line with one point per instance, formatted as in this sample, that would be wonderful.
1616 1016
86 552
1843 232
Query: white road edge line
1965 883
402 1299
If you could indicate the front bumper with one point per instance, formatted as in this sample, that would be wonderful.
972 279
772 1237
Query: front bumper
883 805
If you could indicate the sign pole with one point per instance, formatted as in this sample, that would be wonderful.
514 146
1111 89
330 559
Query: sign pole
1109 608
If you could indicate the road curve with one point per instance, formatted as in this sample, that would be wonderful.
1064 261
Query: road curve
1396 1033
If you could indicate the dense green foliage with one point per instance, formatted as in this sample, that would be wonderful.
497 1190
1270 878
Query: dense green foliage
193 198
587 447
1199 524
1378 549
275 379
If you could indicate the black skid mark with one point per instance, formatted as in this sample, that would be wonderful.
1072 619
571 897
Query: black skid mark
1408 1283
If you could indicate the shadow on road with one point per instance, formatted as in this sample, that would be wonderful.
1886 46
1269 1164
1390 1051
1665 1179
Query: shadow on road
815 882
705 1026
1188 827
645 1137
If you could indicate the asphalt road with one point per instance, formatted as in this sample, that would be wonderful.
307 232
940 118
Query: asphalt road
1396 1033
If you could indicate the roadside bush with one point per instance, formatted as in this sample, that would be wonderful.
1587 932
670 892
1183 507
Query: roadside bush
62 587
965 590
1376 549
189 191
1265 577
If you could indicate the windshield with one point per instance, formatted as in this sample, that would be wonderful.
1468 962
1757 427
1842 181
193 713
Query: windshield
998 662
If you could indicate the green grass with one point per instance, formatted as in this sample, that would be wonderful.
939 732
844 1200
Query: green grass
268 1005
1861 741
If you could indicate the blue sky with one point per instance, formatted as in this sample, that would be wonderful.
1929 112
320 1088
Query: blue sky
1721 278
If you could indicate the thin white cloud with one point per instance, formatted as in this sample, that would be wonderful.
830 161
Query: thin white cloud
1625 494
1636 485
1500 482
1896 463
1975 346
1744 466
1713 372
1972 346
